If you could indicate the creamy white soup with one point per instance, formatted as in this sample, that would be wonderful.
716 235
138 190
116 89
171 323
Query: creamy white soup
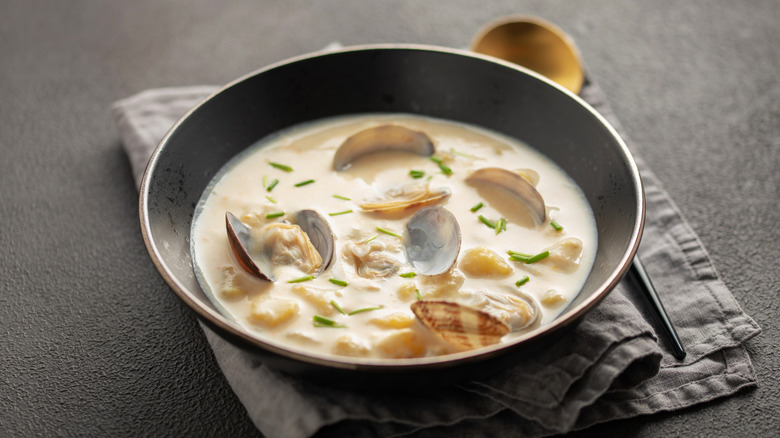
517 265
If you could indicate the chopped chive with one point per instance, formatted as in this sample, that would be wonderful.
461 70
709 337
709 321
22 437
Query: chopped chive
337 307
280 166
519 254
274 215
430 177
265 180
522 281
371 238
454 152
487 222
301 279
477 207
338 282
340 213
271 199
342 197
408 275
500 225
417 292
556 225
444 168
526 258
364 309
321 321
538 257
303 183
416 173
382 230
272 185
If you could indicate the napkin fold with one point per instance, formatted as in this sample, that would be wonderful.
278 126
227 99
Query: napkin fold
611 366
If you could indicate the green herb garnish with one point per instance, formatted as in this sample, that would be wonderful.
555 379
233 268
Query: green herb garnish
419 295
342 197
371 238
338 213
265 180
500 225
301 279
416 173
527 258
321 321
337 307
408 275
338 282
274 215
280 166
382 230
272 185
522 281
477 207
364 309
303 183
556 225
271 199
487 222
444 168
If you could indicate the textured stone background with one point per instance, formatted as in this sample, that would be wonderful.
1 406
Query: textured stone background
92 341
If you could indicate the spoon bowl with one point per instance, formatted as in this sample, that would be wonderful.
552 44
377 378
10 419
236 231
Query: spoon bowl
533 43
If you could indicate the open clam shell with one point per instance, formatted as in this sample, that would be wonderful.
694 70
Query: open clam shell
240 239
320 234
313 225
514 183
432 240
381 138
462 326
406 198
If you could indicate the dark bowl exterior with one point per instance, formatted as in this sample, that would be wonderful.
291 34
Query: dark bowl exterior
429 81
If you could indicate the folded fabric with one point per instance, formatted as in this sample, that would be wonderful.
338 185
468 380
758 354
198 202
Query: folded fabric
610 366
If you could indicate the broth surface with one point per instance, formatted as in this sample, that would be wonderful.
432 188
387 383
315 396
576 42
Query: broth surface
381 324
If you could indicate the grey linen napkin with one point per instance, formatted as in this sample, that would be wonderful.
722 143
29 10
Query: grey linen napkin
610 366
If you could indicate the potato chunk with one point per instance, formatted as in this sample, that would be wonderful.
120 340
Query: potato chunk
407 291
231 288
482 262
565 255
401 344
442 285
552 299
348 345
272 312
319 299
395 320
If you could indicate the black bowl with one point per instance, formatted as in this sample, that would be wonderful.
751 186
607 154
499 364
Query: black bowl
431 81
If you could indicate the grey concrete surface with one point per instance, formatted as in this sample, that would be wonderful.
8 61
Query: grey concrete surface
93 343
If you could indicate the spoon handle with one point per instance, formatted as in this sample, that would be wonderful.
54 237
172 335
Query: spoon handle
638 270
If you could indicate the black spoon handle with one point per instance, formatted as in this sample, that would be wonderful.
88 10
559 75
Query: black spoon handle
638 269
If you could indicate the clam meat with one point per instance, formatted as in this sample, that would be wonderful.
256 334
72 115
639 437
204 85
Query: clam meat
258 251
406 198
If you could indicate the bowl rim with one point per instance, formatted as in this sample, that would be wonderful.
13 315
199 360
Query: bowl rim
236 332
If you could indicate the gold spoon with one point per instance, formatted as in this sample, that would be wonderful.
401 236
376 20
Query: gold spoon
544 48
534 43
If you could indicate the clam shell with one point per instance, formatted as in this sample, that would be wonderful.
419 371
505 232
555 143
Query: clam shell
320 234
395 205
462 326
381 138
432 240
523 190
239 237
